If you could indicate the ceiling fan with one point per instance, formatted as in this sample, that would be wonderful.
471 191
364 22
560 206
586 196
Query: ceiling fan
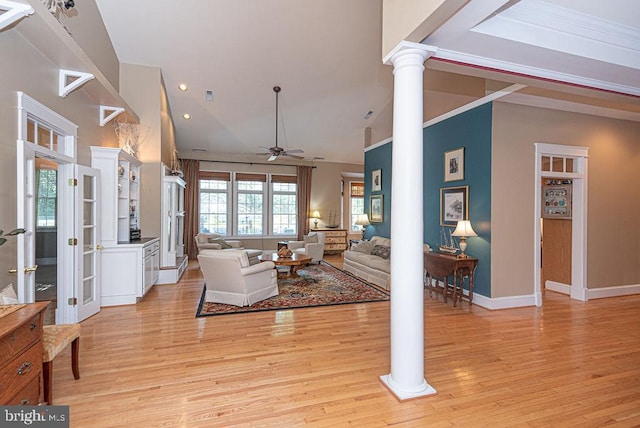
276 151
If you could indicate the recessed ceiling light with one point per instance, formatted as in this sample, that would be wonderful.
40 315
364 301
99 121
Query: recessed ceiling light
183 87
187 116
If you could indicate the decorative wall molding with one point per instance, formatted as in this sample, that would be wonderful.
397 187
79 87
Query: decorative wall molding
490 64
107 113
78 78
546 25
13 12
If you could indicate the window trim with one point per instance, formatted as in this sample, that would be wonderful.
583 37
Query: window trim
233 177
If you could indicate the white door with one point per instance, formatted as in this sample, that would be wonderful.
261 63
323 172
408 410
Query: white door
87 283
26 189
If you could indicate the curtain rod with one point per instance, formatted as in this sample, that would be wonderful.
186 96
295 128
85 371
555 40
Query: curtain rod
250 163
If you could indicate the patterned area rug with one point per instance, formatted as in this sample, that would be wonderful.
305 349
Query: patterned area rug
316 285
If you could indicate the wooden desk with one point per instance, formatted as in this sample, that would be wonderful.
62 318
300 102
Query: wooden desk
442 266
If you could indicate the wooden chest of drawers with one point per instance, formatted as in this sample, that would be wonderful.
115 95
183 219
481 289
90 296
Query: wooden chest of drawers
21 356
335 240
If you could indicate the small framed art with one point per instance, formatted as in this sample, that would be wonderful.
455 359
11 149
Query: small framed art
454 205
454 165
376 180
556 201
376 209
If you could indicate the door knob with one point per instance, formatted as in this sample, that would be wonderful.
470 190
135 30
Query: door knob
13 270
99 247
31 269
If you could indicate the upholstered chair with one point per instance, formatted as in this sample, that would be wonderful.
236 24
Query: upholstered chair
230 279
214 241
312 246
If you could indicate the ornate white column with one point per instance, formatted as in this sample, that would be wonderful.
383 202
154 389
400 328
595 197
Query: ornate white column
406 379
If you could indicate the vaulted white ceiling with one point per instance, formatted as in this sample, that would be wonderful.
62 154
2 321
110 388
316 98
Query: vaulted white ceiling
327 58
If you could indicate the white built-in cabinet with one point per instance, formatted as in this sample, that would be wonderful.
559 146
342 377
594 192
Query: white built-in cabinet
129 267
120 185
173 259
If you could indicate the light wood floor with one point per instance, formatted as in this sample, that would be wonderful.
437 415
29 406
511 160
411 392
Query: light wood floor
155 365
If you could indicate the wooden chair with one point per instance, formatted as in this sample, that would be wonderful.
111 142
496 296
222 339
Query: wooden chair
55 339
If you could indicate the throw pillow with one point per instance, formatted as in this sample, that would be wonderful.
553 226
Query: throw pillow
363 247
8 296
311 239
223 244
381 251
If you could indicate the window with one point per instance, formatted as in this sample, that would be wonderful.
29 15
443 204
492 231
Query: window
242 204
47 196
284 205
356 198
249 207
214 202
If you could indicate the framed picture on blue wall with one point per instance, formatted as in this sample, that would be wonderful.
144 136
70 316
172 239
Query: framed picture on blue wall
454 165
454 205
376 209
376 180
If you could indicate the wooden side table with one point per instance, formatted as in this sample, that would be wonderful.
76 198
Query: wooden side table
21 356
440 265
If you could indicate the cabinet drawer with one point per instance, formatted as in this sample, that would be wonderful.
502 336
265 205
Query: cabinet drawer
18 373
20 339
335 240
151 248
28 396
333 247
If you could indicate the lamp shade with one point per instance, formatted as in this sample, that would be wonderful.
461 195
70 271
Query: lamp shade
362 220
315 214
464 229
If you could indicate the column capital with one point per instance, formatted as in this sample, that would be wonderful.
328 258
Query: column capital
409 48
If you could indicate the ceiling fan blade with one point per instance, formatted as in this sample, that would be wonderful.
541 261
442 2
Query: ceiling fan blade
295 151
288 154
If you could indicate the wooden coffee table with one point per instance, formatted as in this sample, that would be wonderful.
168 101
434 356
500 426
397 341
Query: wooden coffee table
295 262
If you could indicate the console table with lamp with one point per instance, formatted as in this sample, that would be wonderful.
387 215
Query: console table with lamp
442 266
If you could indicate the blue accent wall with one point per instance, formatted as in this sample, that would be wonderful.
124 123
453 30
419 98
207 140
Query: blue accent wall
471 130
378 158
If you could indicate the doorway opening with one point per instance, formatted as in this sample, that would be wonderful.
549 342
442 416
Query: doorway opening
561 181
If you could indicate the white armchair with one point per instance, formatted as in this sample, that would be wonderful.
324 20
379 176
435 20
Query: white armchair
204 242
231 280
315 250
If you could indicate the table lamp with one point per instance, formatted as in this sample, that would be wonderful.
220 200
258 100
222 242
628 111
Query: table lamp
463 230
315 215
362 220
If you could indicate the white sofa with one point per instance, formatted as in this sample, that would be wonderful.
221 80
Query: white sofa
203 242
315 250
230 279
371 267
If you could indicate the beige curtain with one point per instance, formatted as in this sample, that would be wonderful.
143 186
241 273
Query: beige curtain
304 199
190 168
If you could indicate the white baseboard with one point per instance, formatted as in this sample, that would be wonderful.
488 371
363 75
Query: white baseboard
621 290
503 302
558 287
499 302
